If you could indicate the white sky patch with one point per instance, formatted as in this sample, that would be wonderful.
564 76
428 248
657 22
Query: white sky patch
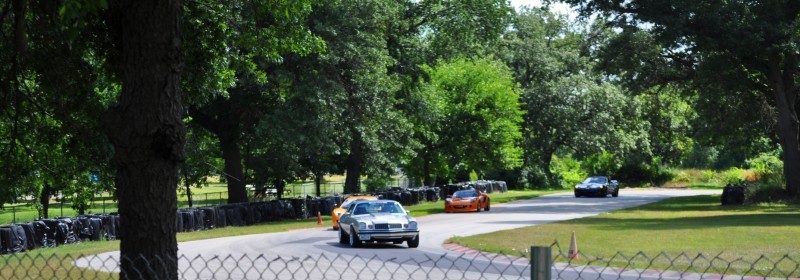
558 8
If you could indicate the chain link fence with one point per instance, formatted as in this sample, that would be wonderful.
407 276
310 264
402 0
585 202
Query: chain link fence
545 262
564 264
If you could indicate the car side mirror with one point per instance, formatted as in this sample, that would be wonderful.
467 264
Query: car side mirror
408 212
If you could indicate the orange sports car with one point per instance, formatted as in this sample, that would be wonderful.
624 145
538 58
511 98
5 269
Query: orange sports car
467 201
338 211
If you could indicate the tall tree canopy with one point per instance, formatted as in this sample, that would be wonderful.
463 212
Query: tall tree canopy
758 37
231 49
475 113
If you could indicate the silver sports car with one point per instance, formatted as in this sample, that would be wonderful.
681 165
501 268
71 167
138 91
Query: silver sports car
377 221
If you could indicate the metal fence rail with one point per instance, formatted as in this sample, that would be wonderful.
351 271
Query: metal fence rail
545 262
322 266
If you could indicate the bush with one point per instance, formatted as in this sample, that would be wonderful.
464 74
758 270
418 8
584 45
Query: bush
603 163
761 192
768 167
568 170
643 174
733 176
375 184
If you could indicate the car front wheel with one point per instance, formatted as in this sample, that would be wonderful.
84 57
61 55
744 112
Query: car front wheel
479 207
488 205
616 192
354 241
342 236
414 243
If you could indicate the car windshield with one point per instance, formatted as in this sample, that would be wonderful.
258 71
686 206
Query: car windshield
348 202
595 180
465 194
371 207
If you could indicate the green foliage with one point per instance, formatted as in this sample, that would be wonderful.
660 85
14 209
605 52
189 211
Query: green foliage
733 176
376 184
602 164
739 58
477 109
569 170
768 167
766 164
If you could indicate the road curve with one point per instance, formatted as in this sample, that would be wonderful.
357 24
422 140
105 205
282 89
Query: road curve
320 245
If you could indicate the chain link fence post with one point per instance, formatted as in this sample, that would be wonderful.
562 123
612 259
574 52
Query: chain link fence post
541 262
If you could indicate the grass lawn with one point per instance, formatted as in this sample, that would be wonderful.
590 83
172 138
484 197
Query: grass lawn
690 225
56 263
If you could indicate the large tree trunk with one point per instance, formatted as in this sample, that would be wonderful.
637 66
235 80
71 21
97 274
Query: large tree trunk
355 161
188 187
318 183
781 77
226 128
148 135
44 201
234 170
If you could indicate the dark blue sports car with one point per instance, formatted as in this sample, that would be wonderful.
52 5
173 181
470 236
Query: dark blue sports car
597 186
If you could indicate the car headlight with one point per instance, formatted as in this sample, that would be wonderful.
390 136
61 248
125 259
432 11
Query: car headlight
577 186
362 225
472 200
339 214
448 200
412 225
601 187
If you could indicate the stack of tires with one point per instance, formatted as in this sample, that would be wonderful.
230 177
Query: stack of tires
733 195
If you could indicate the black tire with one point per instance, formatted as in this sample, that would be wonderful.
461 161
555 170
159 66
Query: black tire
354 241
343 237
616 192
488 205
414 243
577 195
479 207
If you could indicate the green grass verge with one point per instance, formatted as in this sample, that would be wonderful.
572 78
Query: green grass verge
56 263
686 225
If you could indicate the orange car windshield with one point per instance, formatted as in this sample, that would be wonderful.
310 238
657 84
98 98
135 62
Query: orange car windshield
465 194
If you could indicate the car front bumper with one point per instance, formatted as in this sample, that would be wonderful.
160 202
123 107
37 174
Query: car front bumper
590 191
460 207
382 235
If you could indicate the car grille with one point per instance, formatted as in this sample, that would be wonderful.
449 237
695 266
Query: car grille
387 226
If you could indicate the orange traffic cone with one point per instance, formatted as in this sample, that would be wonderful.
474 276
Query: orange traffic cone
573 248
319 218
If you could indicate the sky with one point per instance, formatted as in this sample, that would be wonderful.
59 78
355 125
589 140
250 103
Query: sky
559 8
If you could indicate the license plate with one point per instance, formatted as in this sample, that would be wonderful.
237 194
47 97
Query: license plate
364 236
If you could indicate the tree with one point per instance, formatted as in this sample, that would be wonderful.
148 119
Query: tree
50 86
758 37
146 128
202 158
231 49
361 91
568 106
476 117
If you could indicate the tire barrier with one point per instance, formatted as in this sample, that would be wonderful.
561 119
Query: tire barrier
46 233
482 185
733 195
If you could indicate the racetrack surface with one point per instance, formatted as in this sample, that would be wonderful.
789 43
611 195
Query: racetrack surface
316 253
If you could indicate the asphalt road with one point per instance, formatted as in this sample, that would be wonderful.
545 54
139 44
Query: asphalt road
316 253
